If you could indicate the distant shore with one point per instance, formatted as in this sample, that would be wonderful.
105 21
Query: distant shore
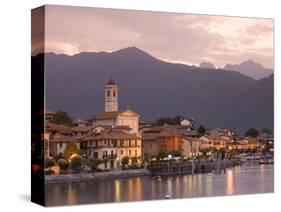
80 177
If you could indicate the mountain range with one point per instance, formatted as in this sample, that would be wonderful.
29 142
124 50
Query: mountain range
251 69
155 89
248 68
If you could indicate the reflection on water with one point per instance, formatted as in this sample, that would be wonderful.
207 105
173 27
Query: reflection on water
246 179
72 195
229 182
117 190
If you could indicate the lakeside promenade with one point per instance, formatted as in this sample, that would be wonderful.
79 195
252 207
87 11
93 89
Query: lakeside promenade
163 168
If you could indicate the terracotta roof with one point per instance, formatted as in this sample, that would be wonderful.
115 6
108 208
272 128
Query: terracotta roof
63 138
82 129
250 140
113 114
192 139
234 143
149 136
166 133
107 115
220 138
152 130
159 131
58 128
121 127
103 126
112 135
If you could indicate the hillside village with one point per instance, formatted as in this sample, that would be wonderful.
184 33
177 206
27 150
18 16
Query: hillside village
117 139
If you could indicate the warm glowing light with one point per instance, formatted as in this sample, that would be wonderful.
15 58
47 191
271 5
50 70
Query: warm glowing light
73 156
230 183
117 191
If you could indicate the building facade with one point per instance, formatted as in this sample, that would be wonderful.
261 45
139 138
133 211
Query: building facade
112 146
113 117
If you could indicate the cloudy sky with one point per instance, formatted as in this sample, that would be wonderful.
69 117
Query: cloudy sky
184 38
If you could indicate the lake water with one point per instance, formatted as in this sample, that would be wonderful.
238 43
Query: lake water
245 179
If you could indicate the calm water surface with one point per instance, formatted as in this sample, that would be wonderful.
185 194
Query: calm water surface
245 179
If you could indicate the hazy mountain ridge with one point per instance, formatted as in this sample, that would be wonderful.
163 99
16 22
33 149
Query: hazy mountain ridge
207 65
251 69
157 88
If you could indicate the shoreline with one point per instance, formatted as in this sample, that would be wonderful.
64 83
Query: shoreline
81 177
116 174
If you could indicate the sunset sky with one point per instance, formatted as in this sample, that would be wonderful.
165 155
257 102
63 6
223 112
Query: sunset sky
174 37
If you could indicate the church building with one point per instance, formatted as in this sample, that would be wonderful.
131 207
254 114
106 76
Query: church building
112 116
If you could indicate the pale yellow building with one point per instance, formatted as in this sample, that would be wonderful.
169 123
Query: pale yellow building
111 146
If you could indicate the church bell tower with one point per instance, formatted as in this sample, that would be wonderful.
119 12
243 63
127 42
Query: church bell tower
111 96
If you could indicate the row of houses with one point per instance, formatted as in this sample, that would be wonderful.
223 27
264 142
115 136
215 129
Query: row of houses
113 143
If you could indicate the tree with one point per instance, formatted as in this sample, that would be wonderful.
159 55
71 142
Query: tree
125 161
164 120
63 164
161 155
134 160
175 153
177 119
70 149
204 152
96 163
201 131
266 131
49 163
62 117
252 132
169 120
76 162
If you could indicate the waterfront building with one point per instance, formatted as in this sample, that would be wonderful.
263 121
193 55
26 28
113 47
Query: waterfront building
249 143
150 144
160 139
58 144
266 143
111 146
56 137
216 142
235 145
186 147
195 145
